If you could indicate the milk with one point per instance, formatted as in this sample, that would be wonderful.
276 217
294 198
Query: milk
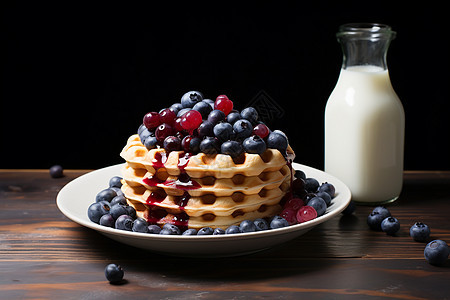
364 134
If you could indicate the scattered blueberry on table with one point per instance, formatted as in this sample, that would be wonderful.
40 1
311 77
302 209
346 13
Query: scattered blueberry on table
114 273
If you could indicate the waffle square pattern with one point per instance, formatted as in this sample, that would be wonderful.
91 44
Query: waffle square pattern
202 190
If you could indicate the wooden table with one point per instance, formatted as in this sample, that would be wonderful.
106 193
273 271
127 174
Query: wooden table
45 255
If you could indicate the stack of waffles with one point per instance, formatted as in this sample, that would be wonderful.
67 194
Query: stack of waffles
203 190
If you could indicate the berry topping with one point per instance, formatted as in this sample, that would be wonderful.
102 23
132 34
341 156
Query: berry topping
249 113
254 144
168 116
163 131
224 104
191 98
191 120
152 120
232 148
261 130
306 213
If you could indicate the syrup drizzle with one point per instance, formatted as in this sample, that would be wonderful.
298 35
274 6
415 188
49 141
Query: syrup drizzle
183 182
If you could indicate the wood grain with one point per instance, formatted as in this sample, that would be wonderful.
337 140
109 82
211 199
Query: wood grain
44 255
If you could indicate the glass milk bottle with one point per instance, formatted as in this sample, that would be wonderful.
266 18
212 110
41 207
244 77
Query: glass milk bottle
364 118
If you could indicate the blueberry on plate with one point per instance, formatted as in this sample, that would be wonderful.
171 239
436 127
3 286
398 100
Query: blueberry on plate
261 224
205 231
114 273
117 210
170 229
390 225
115 181
436 252
420 232
233 229
278 222
154 229
218 231
97 210
325 196
140 225
319 205
119 199
311 185
190 231
105 195
107 220
247 226
327 188
124 222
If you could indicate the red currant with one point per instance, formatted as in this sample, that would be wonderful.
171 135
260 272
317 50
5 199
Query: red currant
290 215
261 130
167 116
224 104
163 131
191 120
177 125
152 120
294 203
306 213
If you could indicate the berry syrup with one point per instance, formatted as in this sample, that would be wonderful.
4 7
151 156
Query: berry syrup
183 182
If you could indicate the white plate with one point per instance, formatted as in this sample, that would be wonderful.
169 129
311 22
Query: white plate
74 199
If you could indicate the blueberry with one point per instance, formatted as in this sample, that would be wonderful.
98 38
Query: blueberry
325 196
145 134
170 229
210 102
328 188
107 220
210 145
115 181
254 145
118 191
420 232
319 205
191 98
172 143
232 148
181 112
233 117
390 225
247 226
223 131
261 224
140 225
124 222
249 113
218 231
203 108
151 142
117 210
350 209
190 231
436 252
119 199
276 140
311 185
382 211
114 273
141 129
299 174
205 231
105 195
233 229
243 129
374 220
56 171
155 229
131 211
176 107
97 210
205 129
278 222
216 116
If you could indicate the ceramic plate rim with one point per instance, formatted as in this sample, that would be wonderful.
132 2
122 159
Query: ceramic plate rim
344 197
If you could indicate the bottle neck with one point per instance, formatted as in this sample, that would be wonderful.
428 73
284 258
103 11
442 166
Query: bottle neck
365 44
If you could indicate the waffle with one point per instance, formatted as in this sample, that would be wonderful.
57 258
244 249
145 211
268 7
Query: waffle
203 190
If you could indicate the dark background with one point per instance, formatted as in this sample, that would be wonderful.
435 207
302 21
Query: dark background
77 79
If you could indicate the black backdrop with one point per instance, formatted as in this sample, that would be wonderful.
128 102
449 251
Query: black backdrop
77 79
